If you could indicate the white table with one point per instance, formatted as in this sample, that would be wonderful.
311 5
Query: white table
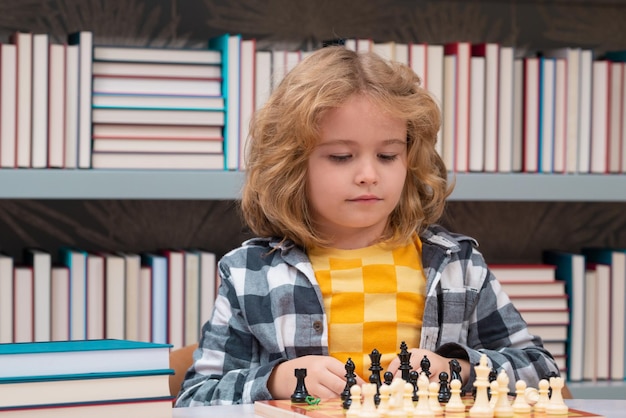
610 408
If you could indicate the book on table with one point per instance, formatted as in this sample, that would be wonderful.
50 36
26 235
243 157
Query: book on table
88 387
84 356
148 407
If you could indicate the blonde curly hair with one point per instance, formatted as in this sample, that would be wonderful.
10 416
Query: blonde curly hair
286 129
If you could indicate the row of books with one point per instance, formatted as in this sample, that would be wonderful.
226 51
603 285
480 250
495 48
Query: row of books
86 106
576 299
75 379
503 110
77 105
161 297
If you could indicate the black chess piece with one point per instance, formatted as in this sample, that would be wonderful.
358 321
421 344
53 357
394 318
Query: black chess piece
425 366
405 361
413 376
388 378
375 368
350 381
444 389
455 372
300 393
493 375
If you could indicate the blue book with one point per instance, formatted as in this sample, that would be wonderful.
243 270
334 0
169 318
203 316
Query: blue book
78 357
615 56
230 47
160 297
570 267
616 259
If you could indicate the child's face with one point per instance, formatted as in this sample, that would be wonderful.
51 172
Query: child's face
356 173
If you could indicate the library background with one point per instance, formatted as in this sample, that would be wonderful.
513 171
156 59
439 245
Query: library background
515 213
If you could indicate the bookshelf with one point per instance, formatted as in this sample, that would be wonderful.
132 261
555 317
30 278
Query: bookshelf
472 189
217 185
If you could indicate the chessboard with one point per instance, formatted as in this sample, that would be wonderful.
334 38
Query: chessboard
332 408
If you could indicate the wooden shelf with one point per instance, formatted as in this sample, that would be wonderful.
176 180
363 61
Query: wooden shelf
205 184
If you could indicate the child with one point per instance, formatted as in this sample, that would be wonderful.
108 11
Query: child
344 187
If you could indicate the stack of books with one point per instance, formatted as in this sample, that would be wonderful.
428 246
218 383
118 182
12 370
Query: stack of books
543 302
97 378
157 108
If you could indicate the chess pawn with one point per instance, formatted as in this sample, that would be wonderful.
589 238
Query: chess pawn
493 385
413 376
543 397
433 401
455 405
503 408
387 378
407 398
444 389
355 406
422 409
556 406
368 408
520 406
385 394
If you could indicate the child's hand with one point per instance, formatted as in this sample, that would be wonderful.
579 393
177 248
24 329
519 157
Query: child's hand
325 377
438 364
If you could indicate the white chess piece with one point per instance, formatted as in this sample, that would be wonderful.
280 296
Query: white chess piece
368 408
355 405
433 399
407 399
481 408
455 404
395 406
494 393
531 395
543 396
422 409
503 408
385 394
556 406
520 406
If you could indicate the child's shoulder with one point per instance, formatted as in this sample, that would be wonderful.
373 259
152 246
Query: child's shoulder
439 235
266 250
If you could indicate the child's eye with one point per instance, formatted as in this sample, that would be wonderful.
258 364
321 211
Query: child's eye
388 157
340 158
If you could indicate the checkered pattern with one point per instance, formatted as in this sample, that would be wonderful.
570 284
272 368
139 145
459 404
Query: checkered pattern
270 309
374 298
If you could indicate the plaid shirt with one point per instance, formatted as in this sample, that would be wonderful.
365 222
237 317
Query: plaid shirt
269 309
